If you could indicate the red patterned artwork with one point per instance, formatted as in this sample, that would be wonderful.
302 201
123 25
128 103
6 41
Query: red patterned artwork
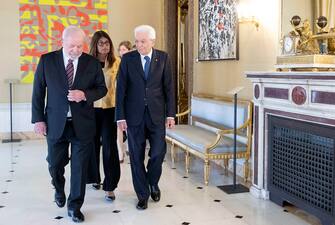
43 21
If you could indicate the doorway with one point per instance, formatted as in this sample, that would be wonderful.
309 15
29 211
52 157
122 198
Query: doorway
179 42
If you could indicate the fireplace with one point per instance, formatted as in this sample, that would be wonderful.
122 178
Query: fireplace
301 165
293 141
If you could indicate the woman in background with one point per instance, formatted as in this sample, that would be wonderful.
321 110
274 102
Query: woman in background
124 47
102 48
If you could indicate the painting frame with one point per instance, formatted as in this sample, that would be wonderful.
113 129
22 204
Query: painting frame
218 36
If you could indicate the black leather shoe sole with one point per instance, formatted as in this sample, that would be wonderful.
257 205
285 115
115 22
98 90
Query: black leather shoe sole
60 202
142 204
60 199
110 198
156 196
76 216
155 193
96 186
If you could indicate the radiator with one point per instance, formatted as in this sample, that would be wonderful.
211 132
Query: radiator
301 166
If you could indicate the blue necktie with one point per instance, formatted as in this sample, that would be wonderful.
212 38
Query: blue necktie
146 67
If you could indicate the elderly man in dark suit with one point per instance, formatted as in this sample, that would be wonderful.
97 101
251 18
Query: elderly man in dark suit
145 106
71 81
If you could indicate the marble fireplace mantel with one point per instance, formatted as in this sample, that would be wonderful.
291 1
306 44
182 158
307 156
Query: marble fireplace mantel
303 96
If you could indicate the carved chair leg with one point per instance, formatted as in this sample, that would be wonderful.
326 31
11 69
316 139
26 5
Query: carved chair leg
206 171
246 170
187 162
225 166
173 155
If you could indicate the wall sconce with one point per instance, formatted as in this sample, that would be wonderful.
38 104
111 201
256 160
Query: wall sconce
251 19
246 14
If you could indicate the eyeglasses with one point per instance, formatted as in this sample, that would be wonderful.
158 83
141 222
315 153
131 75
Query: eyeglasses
102 43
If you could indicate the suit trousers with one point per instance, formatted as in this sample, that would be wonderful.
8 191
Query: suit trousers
137 136
106 136
58 157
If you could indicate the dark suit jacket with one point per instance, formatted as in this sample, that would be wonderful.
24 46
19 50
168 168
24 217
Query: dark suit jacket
51 82
133 92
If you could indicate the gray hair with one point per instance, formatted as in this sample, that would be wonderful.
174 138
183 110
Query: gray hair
70 30
146 29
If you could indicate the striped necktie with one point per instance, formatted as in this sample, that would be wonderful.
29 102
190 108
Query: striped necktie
69 72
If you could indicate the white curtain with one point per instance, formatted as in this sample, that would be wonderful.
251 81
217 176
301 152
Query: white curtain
326 8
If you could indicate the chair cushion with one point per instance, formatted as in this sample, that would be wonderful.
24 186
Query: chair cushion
198 138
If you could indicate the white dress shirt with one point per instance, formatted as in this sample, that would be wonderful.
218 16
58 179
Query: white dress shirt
143 60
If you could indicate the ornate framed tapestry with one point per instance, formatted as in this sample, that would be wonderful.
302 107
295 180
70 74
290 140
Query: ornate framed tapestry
218 30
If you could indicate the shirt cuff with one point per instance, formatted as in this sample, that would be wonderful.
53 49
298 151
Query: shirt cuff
118 121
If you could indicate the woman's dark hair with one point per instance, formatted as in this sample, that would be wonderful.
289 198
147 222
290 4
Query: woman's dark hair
126 44
94 47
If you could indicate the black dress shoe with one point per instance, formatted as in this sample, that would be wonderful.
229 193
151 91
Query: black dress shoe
110 196
76 215
142 204
155 193
60 199
96 186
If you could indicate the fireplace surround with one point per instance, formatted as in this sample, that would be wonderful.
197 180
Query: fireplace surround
293 142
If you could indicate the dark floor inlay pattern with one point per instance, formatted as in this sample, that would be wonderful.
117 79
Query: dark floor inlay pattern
217 200
186 223
58 217
199 187
16 156
2 206
239 217
8 181
169 206
5 192
12 171
116 211
185 177
13 162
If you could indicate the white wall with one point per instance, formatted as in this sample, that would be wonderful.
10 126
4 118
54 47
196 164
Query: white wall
124 15
21 117
258 50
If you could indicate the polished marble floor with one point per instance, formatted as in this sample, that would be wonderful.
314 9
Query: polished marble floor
26 197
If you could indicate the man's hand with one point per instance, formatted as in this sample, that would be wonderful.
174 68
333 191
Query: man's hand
169 123
122 125
76 96
40 128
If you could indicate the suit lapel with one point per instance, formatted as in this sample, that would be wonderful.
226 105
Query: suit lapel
82 62
154 61
61 67
138 64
